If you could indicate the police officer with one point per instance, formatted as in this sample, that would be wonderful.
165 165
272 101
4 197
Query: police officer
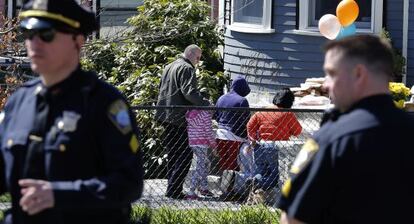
69 142
356 168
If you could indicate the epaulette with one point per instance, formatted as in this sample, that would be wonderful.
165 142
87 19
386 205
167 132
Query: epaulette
347 123
31 82
330 115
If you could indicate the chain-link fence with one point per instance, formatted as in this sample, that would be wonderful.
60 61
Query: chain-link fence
226 171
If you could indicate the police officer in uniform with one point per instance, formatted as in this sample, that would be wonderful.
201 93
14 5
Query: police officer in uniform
69 142
357 167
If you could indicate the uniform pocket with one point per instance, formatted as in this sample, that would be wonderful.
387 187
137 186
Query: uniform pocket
13 139
60 143
14 146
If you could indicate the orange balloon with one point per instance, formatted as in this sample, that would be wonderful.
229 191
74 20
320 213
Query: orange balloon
347 12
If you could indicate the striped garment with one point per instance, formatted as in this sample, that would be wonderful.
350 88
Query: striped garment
199 128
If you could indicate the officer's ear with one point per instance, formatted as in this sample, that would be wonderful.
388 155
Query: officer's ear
361 75
79 41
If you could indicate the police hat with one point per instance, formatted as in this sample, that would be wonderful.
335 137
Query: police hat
64 15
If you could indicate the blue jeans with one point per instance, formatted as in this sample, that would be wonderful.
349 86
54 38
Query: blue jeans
199 175
245 160
267 165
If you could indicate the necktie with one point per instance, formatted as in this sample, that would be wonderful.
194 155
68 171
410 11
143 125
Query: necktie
34 166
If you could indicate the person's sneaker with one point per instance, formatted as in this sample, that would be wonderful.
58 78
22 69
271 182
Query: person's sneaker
206 193
249 183
191 197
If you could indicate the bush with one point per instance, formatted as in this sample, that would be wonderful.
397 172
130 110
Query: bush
10 45
5 198
399 60
134 62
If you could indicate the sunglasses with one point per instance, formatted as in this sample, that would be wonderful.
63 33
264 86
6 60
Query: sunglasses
46 35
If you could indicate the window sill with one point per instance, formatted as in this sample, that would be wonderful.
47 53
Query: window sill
305 32
315 32
250 29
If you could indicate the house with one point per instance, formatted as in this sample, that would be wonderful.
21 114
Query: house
111 14
276 43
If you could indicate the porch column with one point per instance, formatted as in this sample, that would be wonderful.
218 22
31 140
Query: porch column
11 8
405 37
2 11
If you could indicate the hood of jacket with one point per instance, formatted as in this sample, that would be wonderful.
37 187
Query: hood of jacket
240 86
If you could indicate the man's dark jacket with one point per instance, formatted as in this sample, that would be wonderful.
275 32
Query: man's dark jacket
178 87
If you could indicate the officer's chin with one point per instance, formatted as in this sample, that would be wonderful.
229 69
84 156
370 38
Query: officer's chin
36 66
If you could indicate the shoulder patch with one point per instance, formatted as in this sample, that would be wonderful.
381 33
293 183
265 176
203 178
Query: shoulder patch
118 114
305 155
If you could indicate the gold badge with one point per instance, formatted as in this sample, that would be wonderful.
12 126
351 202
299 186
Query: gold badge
134 144
118 114
305 155
286 188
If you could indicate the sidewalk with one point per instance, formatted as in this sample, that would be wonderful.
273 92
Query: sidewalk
154 190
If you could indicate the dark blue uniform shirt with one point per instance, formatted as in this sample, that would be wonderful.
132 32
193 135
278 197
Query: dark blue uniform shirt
87 148
356 169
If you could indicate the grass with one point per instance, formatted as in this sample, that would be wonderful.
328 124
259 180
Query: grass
170 215
5 198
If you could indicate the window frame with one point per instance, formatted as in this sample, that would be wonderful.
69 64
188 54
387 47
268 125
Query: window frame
265 27
305 18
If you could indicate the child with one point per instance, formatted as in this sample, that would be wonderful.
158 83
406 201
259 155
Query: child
200 138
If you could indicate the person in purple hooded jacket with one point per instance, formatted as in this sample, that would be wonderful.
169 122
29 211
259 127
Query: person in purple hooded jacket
231 132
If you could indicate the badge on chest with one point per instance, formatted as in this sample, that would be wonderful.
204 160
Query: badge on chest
69 121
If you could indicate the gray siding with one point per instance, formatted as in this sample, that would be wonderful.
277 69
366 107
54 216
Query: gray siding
394 23
271 61
410 50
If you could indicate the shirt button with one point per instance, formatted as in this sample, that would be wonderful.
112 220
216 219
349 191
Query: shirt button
62 147
9 142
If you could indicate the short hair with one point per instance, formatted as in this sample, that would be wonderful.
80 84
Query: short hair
284 98
374 52
190 50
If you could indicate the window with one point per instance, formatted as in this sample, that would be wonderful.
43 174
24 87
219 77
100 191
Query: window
368 21
13 7
251 16
114 13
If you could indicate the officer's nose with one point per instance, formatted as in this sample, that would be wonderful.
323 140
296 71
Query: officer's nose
326 84
325 87
35 44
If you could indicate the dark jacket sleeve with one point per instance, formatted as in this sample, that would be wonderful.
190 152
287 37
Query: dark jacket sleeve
2 175
242 120
310 190
122 180
4 117
188 83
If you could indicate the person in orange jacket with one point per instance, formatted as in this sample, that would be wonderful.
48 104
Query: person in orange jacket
264 129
